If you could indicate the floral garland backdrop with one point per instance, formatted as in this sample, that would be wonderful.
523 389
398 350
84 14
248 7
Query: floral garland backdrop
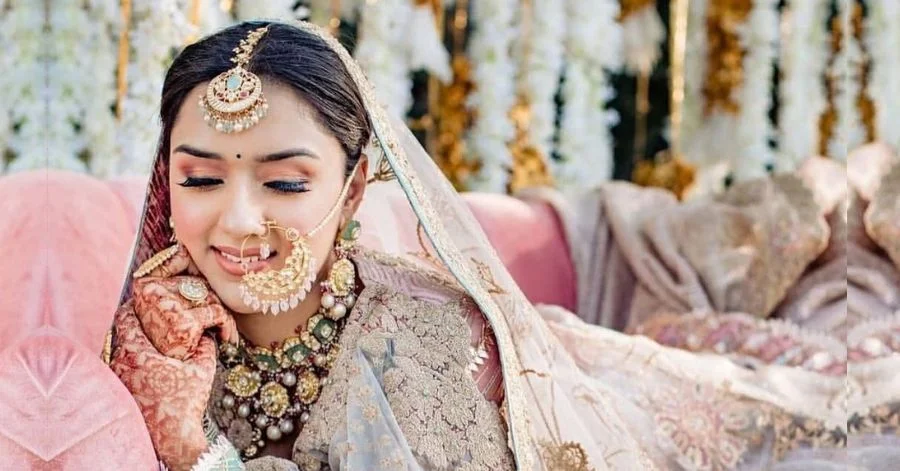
585 144
642 34
494 71
754 131
882 36
802 92
545 97
24 118
98 123
849 129
157 27
541 50
397 37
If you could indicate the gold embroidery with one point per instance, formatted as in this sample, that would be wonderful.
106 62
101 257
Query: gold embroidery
383 172
534 372
106 355
485 273
881 419
445 419
792 432
708 429
569 456
425 253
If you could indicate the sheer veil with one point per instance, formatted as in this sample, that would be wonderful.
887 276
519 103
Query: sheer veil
589 407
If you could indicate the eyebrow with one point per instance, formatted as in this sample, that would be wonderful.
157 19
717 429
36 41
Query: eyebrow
287 154
274 157
203 154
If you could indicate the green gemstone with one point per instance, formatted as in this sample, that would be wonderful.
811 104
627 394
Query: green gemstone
233 82
266 362
298 352
324 330
351 232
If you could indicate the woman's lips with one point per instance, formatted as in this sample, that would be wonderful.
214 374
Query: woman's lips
232 267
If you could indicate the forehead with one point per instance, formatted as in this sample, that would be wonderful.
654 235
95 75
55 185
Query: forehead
290 120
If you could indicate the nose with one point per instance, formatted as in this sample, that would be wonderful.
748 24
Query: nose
242 216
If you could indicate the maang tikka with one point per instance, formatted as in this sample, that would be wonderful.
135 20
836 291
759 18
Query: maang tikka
234 100
280 290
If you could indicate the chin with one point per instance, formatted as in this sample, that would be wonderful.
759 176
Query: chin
228 293
235 305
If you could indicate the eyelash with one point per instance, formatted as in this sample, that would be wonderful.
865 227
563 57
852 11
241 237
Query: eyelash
278 186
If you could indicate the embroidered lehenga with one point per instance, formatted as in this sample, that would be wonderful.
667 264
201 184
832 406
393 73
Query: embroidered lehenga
444 364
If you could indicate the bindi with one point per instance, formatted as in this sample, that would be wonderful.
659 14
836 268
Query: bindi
239 156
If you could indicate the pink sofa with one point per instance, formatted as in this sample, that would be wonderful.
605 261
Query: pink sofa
65 242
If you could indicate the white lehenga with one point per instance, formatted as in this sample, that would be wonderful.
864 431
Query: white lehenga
577 396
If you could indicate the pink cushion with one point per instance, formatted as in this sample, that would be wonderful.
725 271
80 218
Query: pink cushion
91 229
62 406
530 241
64 243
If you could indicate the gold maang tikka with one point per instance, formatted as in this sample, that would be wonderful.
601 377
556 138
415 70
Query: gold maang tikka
234 100
278 291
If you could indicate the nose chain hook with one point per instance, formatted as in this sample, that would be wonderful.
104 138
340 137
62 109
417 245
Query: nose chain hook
269 224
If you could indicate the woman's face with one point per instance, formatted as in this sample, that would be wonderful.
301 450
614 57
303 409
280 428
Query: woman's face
288 168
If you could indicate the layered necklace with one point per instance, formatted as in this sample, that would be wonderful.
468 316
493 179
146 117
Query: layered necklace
273 388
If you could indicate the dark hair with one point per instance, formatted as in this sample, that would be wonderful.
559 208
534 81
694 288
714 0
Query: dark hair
285 54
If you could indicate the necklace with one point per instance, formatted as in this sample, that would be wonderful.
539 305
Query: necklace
272 388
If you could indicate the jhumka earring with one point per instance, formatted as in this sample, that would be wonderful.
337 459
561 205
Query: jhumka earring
160 257
234 100
337 290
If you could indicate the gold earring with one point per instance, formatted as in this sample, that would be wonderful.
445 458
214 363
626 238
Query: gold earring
338 296
172 238
278 291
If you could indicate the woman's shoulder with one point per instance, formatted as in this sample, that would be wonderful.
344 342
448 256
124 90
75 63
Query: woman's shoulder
437 305
419 278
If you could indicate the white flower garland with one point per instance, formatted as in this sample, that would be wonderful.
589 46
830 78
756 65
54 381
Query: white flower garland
802 91
494 73
695 52
320 11
23 97
585 144
423 44
269 9
158 26
759 38
379 52
743 138
541 69
642 34
396 37
849 132
11 81
98 123
882 37
212 17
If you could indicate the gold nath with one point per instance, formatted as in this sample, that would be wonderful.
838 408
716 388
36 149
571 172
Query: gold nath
234 100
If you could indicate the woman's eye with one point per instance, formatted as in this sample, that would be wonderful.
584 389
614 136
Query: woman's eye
192 182
288 187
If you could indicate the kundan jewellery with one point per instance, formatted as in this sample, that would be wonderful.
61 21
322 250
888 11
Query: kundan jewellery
234 100
269 390
277 291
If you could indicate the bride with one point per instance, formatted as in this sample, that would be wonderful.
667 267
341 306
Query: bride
264 328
